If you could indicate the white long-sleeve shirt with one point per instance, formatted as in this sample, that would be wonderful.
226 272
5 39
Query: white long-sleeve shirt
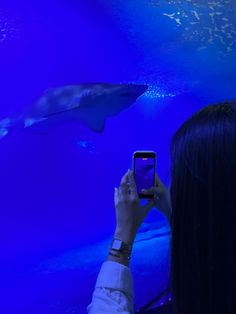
114 291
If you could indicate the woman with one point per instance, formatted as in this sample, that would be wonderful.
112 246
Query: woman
203 221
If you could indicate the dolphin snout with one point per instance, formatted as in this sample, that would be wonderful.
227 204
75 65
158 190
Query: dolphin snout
134 90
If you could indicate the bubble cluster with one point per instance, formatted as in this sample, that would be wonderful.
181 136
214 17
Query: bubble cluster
157 92
156 88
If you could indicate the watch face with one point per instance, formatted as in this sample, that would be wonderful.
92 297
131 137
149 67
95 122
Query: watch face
116 244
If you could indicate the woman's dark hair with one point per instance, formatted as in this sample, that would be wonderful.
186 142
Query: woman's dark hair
203 221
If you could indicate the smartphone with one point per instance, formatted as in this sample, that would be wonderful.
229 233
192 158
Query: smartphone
144 168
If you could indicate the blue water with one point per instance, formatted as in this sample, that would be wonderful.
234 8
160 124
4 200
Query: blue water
57 210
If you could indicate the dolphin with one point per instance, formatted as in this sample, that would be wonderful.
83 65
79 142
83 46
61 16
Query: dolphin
90 103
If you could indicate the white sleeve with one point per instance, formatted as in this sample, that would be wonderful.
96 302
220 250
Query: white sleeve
113 293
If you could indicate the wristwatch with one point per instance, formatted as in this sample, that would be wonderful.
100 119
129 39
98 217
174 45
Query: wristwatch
120 246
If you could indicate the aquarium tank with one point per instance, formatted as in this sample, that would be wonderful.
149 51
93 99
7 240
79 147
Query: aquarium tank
84 84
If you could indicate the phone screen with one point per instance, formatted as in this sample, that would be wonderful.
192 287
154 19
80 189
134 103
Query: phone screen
144 172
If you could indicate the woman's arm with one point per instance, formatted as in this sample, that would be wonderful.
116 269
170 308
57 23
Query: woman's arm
114 292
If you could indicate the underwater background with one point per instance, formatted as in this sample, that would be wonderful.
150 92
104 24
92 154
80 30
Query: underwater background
57 185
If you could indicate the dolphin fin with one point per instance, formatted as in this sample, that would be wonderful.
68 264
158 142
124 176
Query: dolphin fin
93 119
29 122
36 125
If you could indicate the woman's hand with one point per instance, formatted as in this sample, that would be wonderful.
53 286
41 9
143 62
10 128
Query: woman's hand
129 212
161 199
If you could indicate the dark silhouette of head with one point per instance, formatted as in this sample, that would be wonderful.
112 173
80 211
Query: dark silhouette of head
203 221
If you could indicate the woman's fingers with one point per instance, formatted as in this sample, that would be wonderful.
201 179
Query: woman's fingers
156 188
116 195
132 185
124 187
128 185
124 179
